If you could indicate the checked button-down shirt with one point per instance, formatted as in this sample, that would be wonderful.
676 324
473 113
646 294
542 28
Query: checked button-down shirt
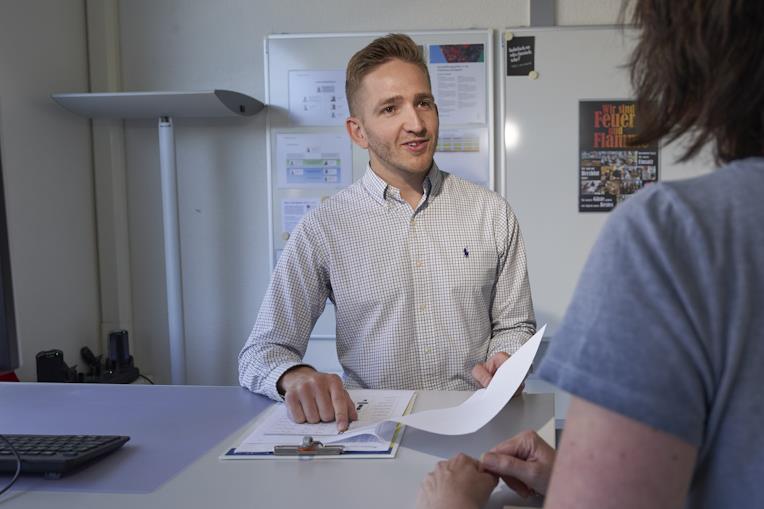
421 295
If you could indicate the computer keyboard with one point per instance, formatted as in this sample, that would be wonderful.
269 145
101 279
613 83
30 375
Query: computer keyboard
53 455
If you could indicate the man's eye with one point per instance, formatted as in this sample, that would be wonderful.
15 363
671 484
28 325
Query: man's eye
388 109
425 104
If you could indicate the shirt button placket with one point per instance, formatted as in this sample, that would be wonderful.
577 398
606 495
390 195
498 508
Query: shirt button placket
423 308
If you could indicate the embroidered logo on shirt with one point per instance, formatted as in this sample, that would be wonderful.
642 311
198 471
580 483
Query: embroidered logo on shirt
466 253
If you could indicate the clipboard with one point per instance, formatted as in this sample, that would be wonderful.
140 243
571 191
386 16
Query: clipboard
380 441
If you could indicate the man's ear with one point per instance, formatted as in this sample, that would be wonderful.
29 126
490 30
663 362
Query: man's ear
356 132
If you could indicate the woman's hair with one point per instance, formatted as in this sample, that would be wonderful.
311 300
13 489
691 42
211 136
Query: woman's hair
698 70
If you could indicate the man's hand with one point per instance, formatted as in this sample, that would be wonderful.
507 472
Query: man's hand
316 397
457 483
483 371
524 462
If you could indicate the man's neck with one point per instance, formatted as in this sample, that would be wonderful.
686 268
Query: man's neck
411 186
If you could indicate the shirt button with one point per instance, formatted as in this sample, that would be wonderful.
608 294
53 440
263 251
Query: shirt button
428 350
423 307
419 263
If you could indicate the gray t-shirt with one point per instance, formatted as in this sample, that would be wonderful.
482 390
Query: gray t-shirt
667 325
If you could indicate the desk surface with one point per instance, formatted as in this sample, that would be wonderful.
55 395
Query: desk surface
204 481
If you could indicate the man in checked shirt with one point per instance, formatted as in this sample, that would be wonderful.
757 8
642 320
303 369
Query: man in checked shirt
427 271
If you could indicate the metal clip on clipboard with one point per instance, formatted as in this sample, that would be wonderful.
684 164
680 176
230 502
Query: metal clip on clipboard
309 447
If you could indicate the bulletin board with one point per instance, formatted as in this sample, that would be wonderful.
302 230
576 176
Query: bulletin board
560 87
309 153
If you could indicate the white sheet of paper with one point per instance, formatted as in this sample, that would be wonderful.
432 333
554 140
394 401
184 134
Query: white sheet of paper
484 404
481 407
377 411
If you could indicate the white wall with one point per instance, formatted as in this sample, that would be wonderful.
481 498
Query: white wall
48 178
185 45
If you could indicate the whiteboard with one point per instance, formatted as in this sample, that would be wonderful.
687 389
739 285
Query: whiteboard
299 112
541 150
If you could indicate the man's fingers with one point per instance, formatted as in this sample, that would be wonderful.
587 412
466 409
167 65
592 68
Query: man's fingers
496 361
483 371
325 403
307 399
342 405
341 415
481 375
315 397
294 408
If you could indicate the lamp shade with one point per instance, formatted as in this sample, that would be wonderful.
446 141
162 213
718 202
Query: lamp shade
206 104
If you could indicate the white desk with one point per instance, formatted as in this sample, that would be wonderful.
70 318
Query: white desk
209 483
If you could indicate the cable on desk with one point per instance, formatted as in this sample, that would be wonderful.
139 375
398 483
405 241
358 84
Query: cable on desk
18 465
146 378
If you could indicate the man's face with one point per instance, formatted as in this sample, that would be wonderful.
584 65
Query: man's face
397 120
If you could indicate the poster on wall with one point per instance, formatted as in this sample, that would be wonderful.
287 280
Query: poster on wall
313 160
458 82
292 211
464 152
610 169
521 56
317 97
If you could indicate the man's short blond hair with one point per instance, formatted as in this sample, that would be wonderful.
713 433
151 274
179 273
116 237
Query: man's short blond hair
378 52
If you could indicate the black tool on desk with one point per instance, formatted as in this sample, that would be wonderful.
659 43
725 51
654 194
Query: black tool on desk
54 455
116 368
52 368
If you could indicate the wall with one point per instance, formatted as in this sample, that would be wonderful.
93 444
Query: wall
185 45
48 178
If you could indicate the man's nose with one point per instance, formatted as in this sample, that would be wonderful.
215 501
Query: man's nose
413 121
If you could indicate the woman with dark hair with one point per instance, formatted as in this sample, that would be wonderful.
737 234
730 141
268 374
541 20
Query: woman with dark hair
665 366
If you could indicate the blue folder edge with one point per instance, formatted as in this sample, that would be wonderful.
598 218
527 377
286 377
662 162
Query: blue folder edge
233 453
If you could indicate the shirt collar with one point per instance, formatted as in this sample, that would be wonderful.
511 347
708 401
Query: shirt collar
380 190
